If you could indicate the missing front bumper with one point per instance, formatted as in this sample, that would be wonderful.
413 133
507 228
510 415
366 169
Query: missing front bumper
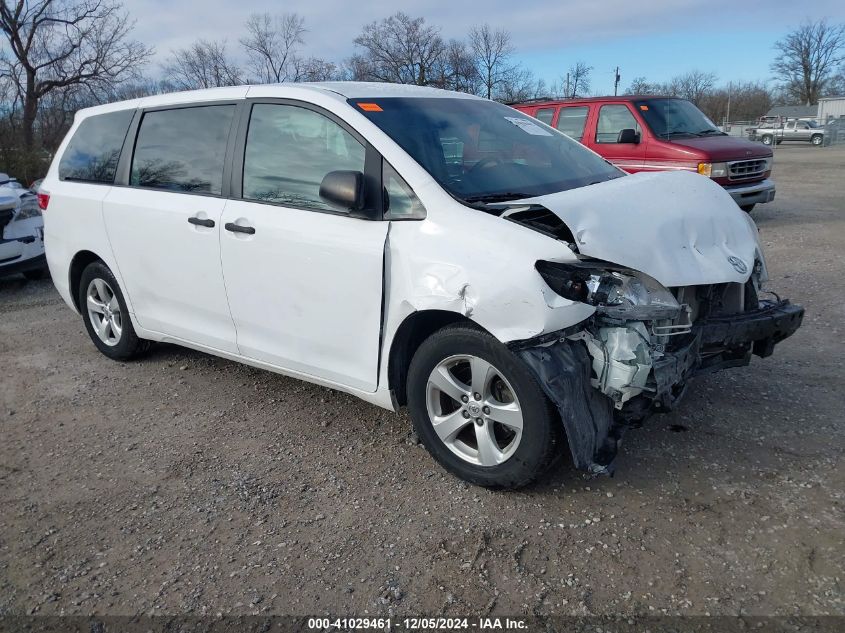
595 421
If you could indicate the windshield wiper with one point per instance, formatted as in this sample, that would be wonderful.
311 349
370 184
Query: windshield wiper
710 131
498 197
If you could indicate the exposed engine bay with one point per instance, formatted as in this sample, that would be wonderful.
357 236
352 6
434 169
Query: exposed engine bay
642 345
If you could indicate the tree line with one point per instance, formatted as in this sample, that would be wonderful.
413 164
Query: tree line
57 56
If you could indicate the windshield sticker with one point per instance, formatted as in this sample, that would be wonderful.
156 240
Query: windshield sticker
528 126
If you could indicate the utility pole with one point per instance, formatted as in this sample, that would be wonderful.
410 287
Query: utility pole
616 82
566 92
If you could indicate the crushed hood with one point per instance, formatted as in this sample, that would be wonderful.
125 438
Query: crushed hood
678 227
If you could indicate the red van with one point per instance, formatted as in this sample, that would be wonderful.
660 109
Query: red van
649 133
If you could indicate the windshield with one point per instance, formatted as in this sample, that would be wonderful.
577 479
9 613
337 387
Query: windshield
481 151
670 118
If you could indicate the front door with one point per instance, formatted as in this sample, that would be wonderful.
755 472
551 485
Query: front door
304 278
612 119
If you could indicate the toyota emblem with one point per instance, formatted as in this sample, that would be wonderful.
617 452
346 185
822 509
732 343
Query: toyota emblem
738 264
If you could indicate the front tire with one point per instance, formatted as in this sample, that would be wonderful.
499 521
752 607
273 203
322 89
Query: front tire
748 208
817 139
479 411
767 139
105 315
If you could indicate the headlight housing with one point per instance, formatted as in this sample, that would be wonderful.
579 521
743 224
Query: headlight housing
615 291
713 170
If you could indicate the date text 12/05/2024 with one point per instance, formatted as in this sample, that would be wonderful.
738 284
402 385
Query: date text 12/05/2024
418 624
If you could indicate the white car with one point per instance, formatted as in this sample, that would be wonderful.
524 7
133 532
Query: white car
410 246
21 231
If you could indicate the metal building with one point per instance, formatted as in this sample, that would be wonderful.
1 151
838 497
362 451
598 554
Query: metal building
831 108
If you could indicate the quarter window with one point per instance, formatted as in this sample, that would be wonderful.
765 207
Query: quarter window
289 150
94 149
546 115
400 202
571 121
182 150
612 120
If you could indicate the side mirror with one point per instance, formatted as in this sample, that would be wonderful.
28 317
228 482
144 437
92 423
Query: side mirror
628 135
344 189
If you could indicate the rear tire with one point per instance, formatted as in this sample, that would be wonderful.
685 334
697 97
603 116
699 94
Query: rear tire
483 382
105 315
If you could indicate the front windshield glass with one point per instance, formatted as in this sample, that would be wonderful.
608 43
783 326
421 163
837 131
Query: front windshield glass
672 118
481 151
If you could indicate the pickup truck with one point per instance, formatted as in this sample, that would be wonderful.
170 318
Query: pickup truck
795 130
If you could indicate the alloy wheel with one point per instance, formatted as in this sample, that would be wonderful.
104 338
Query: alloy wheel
104 311
474 410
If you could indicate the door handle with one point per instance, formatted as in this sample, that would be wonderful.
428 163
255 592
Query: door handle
201 222
237 228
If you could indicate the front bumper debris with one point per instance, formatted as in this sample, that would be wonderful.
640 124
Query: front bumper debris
571 376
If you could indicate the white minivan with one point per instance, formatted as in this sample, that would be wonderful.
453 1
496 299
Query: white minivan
410 246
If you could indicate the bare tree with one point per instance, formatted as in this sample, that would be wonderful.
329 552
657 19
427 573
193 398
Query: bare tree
693 85
204 64
641 86
520 85
492 52
57 44
748 101
807 58
314 69
455 69
399 49
272 44
577 80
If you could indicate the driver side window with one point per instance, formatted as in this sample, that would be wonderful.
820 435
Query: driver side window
289 150
612 120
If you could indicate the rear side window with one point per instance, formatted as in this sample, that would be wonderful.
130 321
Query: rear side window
545 115
571 121
182 150
289 150
612 120
94 149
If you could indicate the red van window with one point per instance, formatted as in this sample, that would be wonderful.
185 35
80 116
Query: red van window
613 119
545 115
571 121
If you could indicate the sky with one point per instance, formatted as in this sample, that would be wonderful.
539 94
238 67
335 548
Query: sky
655 39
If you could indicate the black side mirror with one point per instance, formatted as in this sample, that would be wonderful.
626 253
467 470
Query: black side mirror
628 135
344 189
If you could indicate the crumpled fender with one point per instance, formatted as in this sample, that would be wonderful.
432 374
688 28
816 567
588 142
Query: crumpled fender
479 266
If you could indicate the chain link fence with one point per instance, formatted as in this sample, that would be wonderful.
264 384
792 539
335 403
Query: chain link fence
834 132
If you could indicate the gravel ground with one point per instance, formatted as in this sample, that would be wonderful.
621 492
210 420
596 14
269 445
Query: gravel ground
185 483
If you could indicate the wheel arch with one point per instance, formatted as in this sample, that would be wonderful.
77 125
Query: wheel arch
77 265
410 334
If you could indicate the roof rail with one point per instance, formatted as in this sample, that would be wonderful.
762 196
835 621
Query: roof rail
532 100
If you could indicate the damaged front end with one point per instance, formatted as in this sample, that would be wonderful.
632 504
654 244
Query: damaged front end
644 342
